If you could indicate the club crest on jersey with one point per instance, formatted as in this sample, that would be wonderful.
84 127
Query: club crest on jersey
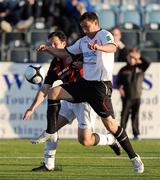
108 38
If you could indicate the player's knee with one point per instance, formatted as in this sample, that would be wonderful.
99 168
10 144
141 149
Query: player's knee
85 141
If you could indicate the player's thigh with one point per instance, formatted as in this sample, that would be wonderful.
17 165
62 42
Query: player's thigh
86 116
59 93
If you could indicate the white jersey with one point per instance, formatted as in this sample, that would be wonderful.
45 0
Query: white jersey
97 65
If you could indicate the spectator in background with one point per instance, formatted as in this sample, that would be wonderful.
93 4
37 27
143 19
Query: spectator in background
121 53
4 12
57 16
129 83
74 9
52 13
14 15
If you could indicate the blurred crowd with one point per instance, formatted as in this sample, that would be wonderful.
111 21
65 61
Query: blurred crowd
34 19
18 15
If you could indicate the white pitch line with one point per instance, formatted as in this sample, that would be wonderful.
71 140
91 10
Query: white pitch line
121 158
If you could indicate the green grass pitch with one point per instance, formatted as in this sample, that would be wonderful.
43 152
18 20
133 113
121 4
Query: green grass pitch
75 162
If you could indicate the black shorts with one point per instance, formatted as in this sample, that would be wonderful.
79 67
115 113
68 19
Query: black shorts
96 93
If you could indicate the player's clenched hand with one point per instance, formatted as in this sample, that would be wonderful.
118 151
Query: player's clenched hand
42 47
93 46
27 114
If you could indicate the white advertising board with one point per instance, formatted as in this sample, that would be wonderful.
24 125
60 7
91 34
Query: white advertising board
16 94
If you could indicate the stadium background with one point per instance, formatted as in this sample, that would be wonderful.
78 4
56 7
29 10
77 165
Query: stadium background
139 21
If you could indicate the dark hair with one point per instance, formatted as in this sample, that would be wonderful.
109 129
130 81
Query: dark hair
91 16
134 50
116 27
59 34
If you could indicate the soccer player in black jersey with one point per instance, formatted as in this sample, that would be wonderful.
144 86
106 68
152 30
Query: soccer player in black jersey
68 70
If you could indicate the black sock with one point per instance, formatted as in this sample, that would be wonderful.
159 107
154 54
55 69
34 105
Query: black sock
123 139
97 138
52 115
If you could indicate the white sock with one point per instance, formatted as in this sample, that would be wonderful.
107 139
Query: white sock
50 152
106 139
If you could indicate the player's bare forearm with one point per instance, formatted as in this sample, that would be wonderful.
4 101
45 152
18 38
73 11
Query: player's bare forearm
108 48
37 101
61 53
105 48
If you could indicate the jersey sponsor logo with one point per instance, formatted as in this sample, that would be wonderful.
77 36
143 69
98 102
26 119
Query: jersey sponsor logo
63 71
85 41
90 54
89 63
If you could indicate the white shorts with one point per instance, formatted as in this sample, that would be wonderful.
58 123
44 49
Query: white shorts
85 115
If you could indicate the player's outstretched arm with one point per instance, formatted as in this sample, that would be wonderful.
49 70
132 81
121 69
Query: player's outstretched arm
105 48
61 53
37 101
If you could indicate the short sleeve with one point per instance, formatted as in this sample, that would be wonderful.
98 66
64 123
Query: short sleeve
107 37
75 48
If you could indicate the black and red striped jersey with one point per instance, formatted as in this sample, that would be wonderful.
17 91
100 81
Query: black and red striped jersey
65 70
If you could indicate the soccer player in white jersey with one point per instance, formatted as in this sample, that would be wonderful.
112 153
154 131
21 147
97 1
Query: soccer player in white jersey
59 71
98 48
